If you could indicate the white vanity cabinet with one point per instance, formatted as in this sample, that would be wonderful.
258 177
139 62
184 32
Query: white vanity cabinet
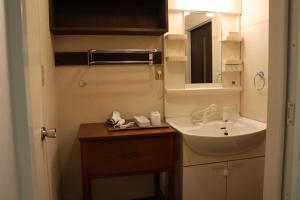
245 179
205 182
232 180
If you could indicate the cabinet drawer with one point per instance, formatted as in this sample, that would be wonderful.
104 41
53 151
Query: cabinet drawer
129 155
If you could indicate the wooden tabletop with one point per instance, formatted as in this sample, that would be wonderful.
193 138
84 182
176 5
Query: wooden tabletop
92 131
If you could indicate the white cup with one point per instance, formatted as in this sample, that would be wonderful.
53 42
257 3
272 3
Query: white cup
155 118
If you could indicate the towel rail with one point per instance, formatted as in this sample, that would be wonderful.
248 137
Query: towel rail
117 62
110 56
92 52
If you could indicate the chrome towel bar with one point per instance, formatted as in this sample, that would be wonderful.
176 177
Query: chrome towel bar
92 61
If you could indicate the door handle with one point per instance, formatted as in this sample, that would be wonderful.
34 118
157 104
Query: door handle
49 133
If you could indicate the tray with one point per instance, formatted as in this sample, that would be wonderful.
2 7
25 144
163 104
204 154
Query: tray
136 127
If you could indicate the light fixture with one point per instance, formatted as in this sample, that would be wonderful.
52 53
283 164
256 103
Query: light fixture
186 13
209 14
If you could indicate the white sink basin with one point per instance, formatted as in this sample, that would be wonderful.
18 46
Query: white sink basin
210 139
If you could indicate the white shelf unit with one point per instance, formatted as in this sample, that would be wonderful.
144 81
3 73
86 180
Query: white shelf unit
232 40
182 37
175 45
232 67
231 50
175 60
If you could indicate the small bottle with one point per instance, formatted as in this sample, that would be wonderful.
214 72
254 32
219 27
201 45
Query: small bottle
225 113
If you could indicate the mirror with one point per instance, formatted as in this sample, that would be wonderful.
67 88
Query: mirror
203 32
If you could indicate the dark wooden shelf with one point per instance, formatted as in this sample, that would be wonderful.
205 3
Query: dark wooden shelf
107 31
117 17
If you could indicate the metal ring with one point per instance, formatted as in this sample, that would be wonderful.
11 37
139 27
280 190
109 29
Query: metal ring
261 75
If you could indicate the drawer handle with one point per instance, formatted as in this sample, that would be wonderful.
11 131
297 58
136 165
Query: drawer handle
129 156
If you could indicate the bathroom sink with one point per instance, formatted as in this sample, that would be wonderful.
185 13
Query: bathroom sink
212 139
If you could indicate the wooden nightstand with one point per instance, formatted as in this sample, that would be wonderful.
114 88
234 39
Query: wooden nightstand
122 153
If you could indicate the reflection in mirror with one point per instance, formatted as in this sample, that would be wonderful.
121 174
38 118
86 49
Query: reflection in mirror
203 47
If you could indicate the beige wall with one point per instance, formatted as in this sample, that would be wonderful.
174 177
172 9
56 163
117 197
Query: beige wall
8 183
254 29
49 99
130 89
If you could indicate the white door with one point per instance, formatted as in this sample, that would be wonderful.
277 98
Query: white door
245 179
204 182
40 100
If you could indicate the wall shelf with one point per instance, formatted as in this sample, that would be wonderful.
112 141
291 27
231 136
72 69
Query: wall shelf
232 40
176 58
114 17
232 62
202 91
232 68
182 37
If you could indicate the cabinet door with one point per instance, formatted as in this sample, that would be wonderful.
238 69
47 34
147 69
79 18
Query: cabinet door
245 179
204 182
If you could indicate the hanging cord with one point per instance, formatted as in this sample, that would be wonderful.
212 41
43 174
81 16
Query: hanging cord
82 82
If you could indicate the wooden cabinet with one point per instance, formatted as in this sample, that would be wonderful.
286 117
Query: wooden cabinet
121 153
96 17
232 180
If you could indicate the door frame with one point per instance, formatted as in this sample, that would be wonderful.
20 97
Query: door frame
291 179
277 97
18 75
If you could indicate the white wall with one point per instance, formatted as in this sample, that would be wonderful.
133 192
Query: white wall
8 177
130 89
255 31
